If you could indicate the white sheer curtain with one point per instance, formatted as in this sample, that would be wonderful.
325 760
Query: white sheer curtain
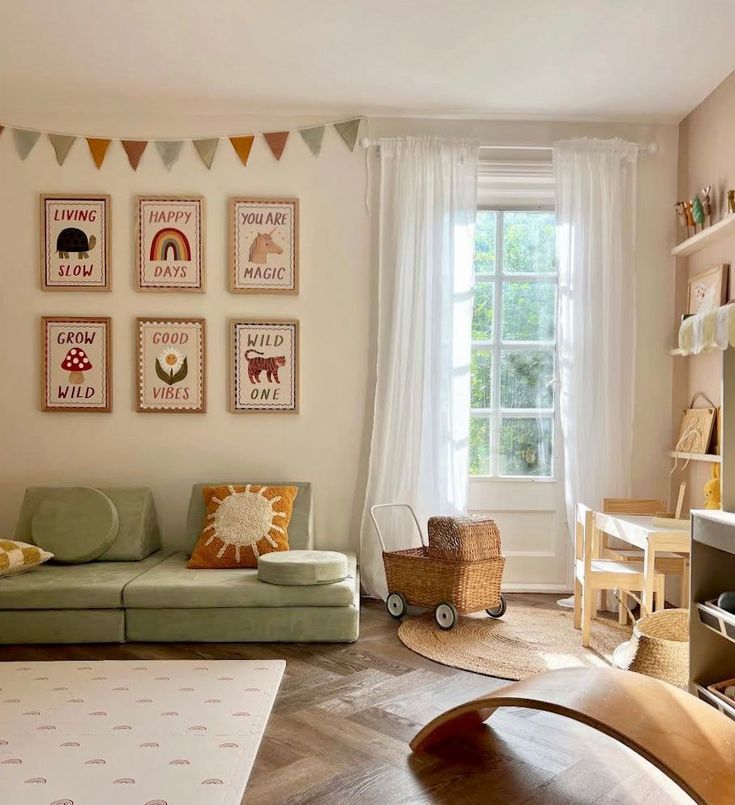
595 215
419 449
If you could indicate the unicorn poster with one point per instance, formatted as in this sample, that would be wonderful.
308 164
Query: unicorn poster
264 242
169 238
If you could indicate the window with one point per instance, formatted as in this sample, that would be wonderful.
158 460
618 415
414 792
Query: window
513 345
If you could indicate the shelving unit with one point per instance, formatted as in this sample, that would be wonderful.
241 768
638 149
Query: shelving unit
708 457
709 235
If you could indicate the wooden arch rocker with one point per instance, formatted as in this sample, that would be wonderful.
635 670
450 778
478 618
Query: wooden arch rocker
688 740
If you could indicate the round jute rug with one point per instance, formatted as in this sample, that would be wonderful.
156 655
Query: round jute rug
525 641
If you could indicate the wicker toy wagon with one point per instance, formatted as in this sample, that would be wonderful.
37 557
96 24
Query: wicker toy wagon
452 586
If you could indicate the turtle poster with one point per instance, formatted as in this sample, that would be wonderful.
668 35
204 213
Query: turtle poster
75 242
264 366
76 364
169 243
171 366
264 245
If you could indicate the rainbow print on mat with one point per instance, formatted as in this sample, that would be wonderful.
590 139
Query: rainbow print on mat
170 240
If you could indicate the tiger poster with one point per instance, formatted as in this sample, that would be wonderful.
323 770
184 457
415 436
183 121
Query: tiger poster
169 238
264 245
264 373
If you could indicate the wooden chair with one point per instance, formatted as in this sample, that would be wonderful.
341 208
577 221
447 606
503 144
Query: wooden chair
670 564
593 574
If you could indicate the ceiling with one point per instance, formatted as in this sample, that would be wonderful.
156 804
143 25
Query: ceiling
80 60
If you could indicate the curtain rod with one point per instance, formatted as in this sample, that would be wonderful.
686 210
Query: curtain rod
649 148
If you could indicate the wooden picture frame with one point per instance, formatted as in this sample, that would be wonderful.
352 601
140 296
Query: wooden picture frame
167 381
707 290
76 364
257 383
85 264
169 244
259 228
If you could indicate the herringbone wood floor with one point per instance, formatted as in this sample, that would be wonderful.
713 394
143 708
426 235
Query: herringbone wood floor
340 729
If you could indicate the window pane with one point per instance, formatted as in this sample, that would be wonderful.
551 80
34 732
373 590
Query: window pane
529 242
485 242
482 361
529 311
526 379
479 446
526 445
482 316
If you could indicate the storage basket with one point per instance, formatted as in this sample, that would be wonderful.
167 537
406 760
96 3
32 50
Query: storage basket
659 647
463 539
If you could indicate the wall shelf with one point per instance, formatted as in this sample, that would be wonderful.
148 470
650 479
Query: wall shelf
708 457
709 235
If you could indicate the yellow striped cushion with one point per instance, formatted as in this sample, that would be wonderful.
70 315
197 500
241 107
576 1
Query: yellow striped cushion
17 557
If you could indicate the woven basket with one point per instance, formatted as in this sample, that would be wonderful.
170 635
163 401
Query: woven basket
463 539
658 648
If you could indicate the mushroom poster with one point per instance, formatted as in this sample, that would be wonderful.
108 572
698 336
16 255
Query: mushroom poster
171 365
75 242
76 364
264 366
264 245
169 243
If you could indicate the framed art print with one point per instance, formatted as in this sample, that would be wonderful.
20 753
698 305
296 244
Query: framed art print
75 242
264 366
708 289
76 363
170 365
169 243
264 245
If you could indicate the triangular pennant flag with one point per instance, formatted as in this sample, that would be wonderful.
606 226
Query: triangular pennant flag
169 151
276 141
242 146
98 148
24 141
61 143
313 138
348 132
206 149
134 149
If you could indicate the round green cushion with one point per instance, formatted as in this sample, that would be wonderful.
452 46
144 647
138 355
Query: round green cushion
302 568
76 524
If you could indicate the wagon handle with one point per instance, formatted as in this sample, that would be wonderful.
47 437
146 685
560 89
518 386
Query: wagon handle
388 506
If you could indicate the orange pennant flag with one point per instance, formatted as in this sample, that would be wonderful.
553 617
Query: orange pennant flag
276 141
98 149
242 146
134 149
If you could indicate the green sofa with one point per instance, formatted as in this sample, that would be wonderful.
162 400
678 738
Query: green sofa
138 591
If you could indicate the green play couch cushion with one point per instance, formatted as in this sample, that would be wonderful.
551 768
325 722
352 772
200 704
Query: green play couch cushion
302 568
174 586
95 585
76 525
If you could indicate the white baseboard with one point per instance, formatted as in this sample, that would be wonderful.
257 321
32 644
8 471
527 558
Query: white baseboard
523 587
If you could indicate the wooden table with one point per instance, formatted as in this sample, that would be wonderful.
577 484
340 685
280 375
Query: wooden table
640 532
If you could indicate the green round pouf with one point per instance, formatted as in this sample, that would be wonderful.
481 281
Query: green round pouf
302 568
76 525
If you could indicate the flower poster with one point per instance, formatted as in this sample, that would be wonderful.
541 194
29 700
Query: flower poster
75 242
171 366
264 245
264 366
169 242
76 364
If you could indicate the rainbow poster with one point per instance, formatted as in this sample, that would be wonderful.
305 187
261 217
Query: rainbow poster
169 243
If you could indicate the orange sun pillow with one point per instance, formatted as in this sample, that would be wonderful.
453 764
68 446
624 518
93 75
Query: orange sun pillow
242 523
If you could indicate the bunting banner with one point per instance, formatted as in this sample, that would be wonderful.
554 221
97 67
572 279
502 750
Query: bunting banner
134 149
170 150
61 143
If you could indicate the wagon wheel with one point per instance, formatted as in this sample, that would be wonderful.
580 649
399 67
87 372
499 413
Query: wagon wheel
396 605
499 610
446 615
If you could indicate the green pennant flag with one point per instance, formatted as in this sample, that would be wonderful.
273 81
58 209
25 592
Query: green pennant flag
313 138
61 143
206 150
348 131
169 151
24 141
